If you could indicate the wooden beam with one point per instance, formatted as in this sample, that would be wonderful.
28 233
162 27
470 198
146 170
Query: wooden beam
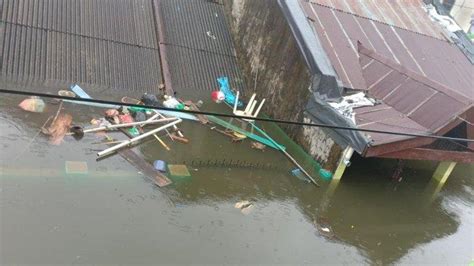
380 150
431 155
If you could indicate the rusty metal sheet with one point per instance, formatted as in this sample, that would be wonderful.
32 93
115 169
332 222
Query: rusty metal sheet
385 117
427 103
338 30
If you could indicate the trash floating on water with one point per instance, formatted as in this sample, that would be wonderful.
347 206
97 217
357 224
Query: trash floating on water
160 166
242 204
324 228
258 146
66 93
245 206
325 174
33 104
73 167
178 170
59 128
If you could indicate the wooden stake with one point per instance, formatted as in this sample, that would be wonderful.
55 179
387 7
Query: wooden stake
162 142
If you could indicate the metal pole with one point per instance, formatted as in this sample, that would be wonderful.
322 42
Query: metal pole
130 124
128 142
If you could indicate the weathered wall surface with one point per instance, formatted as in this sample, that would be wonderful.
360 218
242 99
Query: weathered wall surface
268 53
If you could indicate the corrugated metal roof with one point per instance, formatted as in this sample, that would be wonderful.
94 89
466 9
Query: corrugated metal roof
198 44
410 102
340 31
104 43
405 14
426 102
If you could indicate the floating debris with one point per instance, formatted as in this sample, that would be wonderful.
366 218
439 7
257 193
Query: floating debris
73 167
33 104
59 128
179 170
245 206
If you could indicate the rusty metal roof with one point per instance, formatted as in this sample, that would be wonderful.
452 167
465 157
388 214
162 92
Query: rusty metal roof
110 44
404 14
339 32
410 102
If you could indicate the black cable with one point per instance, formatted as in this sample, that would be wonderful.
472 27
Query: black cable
278 121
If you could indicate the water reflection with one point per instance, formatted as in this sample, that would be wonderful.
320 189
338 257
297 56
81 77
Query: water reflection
366 217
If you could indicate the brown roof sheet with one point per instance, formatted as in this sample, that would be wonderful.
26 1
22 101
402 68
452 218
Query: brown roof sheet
411 103
339 32
426 102
404 14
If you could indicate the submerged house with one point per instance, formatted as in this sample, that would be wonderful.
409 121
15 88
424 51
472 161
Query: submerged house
311 55
302 56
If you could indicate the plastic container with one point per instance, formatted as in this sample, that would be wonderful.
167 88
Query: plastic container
160 165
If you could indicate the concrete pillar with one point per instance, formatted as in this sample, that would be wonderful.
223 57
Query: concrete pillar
443 171
343 163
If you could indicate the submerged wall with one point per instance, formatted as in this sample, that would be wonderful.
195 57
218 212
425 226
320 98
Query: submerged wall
268 54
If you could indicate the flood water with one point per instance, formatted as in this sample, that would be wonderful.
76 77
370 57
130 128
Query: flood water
113 215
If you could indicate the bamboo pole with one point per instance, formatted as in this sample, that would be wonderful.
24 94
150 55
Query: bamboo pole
286 154
144 135
130 124
162 142
174 127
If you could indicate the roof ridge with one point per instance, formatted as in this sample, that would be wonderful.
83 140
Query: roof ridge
377 21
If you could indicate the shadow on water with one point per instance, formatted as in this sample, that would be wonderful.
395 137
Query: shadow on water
383 219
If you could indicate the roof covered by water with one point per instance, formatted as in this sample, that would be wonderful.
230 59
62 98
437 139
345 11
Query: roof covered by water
422 81
340 31
116 45
109 44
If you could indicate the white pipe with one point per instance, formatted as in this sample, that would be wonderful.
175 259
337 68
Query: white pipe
174 127
153 117
249 105
249 113
236 101
144 135
129 124
259 108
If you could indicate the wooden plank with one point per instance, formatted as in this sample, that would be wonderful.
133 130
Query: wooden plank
202 118
140 164
432 155
144 167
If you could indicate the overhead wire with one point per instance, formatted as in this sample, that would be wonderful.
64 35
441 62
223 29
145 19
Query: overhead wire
262 119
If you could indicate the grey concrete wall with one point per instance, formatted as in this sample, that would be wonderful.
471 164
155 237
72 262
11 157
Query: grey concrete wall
268 52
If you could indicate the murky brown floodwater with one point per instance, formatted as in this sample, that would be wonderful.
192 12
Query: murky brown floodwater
113 215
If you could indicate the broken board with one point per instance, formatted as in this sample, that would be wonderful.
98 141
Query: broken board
147 169
202 118
143 166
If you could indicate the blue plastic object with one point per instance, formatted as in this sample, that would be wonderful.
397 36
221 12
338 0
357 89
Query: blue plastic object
229 95
160 165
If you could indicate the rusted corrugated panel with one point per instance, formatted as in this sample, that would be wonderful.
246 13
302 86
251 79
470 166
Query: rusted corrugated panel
411 102
339 33
106 43
198 45
386 118
400 13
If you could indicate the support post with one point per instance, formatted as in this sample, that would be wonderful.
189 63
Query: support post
343 163
443 171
